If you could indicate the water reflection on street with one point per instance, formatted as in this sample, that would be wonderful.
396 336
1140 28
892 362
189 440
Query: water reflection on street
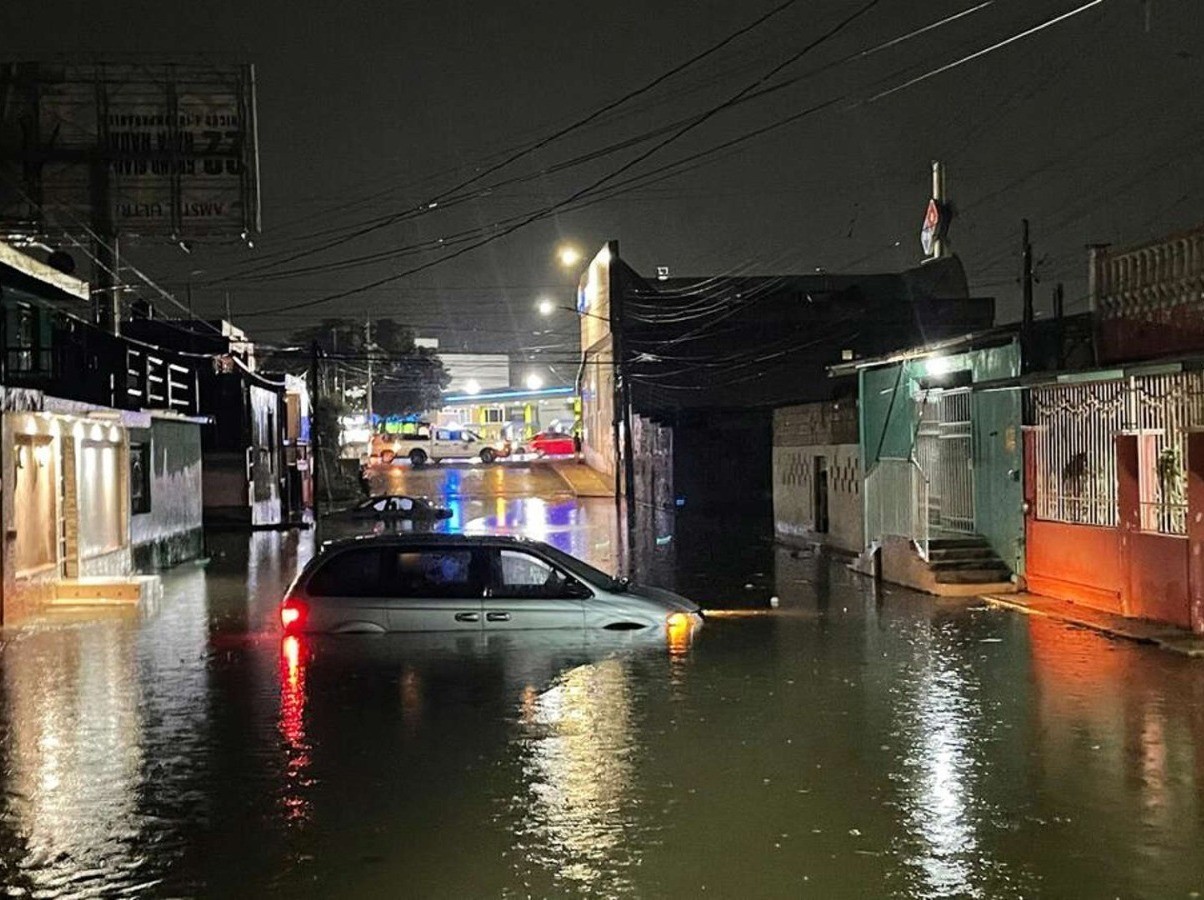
854 741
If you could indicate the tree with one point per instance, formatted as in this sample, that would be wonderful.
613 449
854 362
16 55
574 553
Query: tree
406 379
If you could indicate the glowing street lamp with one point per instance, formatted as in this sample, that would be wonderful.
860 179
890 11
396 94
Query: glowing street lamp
545 306
472 386
534 382
568 255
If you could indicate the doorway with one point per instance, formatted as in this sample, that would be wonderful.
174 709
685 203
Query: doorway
819 483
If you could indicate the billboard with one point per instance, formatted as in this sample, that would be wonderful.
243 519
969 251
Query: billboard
159 150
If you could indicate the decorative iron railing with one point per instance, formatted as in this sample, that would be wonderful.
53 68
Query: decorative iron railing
1075 447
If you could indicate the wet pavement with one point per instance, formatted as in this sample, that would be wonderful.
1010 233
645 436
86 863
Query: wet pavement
851 742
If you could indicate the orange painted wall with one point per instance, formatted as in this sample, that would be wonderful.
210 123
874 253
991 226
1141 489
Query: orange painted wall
1158 580
1080 563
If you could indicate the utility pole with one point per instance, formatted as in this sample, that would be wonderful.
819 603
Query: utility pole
315 436
1026 279
334 351
368 347
1059 311
938 194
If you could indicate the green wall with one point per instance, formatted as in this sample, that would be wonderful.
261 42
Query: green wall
888 431
998 454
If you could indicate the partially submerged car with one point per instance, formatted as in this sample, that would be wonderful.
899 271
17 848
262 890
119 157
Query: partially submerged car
398 506
453 582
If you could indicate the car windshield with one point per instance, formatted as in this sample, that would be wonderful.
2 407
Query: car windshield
584 570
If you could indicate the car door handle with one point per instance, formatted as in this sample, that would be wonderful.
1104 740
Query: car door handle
497 617
468 617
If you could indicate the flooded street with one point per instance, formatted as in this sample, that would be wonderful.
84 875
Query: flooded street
854 741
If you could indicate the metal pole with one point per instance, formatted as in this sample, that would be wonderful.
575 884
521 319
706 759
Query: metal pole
938 194
1026 278
1059 295
368 348
315 436
623 395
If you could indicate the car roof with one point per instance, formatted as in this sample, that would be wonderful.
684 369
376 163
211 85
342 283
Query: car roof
424 539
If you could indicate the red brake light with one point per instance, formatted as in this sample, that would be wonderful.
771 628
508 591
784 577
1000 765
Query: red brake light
293 613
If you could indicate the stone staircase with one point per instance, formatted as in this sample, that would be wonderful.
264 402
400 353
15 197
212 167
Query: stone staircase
965 559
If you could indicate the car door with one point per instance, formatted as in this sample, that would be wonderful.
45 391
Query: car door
347 592
526 591
435 588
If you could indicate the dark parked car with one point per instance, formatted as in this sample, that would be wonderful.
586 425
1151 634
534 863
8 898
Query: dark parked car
398 506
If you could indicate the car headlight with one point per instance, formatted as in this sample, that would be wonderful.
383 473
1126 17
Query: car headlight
679 629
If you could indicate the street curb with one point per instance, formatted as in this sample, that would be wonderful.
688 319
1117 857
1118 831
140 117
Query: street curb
1185 644
559 469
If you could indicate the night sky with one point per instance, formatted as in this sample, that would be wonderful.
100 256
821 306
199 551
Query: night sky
1090 128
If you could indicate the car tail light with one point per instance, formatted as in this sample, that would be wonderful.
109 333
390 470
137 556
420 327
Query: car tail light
293 613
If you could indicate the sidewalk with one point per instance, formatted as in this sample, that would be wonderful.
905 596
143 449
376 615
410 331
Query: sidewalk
582 480
1165 636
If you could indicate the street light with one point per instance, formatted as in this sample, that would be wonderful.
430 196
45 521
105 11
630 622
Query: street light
568 255
472 386
545 306
534 382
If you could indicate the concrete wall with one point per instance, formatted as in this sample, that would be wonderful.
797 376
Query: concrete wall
597 408
25 589
655 510
1124 569
171 532
806 439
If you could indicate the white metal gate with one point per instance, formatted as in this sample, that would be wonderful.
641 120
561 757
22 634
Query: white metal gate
945 453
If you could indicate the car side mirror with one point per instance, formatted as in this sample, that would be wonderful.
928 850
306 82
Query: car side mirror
575 590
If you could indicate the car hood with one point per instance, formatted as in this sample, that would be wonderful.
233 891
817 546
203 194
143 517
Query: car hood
660 595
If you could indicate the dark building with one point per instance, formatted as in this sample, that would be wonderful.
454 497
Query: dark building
244 444
708 359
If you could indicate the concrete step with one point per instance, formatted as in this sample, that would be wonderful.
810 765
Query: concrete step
967 552
982 562
957 543
992 575
107 590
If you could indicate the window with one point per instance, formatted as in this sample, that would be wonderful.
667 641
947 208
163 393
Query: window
393 504
140 478
436 573
353 573
519 574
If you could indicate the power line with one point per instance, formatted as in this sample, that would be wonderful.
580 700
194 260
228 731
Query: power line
983 52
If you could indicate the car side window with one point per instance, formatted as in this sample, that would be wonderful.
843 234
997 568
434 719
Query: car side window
352 573
519 574
442 435
435 573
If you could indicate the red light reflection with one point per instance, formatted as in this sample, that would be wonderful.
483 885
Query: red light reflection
291 725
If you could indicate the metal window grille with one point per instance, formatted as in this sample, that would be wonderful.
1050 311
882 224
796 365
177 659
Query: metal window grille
1077 427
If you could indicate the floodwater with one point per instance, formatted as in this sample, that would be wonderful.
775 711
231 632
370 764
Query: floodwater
851 742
